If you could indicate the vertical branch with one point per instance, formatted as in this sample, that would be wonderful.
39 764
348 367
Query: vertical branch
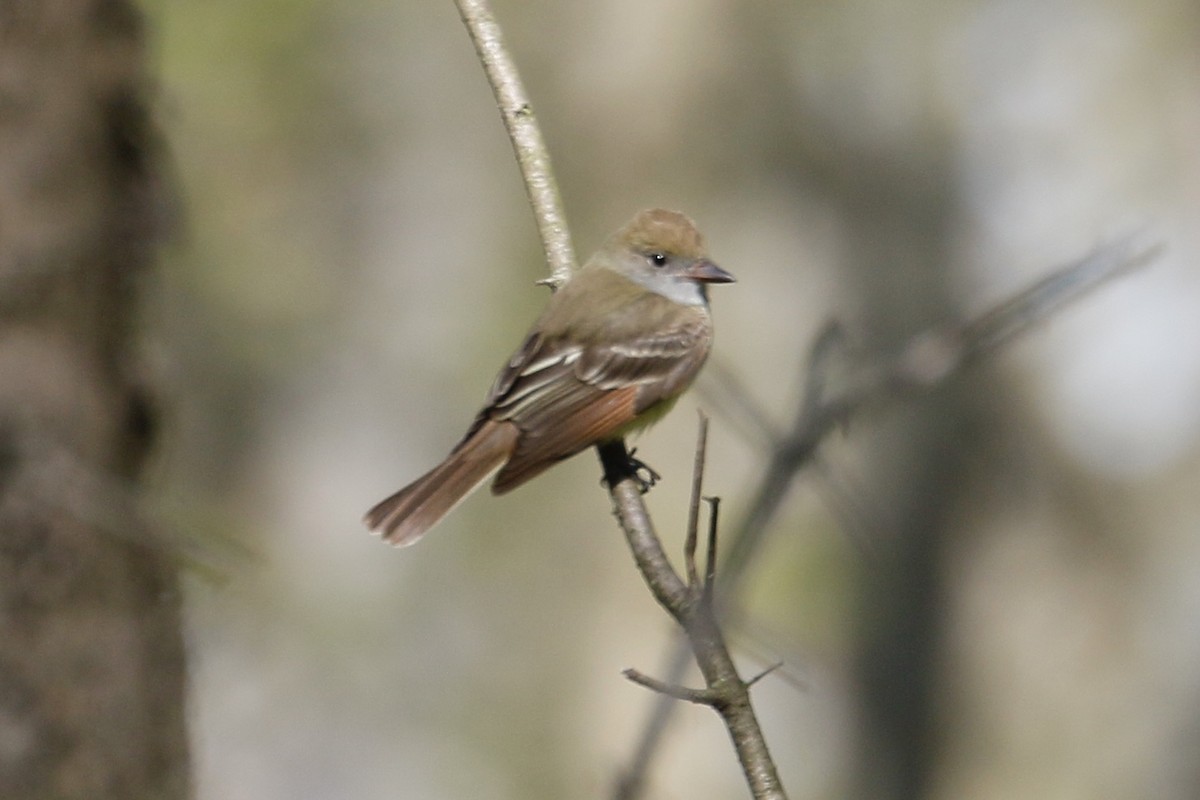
710 563
525 135
689 550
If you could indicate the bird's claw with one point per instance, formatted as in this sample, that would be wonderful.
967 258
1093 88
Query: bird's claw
623 466
642 473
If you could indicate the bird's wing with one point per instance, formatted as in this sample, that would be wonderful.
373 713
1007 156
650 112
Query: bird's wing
565 396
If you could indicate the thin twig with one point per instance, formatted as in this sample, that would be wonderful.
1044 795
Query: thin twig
926 361
710 561
764 673
721 390
821 359
932 356
630 784
703 697
526 137
689 548
1051 294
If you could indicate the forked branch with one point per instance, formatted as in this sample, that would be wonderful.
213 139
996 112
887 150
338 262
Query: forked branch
689 600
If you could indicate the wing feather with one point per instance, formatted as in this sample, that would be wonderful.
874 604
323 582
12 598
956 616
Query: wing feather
593 418
564 395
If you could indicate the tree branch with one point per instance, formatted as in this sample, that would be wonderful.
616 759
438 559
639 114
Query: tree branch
924 362
689 548
526 137
690 604
704 697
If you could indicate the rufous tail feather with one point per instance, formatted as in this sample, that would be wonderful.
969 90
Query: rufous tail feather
404 517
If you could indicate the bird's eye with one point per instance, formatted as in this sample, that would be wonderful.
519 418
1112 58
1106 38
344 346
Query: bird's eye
658 259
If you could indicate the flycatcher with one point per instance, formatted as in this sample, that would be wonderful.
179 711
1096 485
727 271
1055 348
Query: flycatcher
615 348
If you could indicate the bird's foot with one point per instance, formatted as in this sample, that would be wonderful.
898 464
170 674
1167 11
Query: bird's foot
619 465
642 473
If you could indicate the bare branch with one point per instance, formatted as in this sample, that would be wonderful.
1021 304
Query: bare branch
710 561
689 548
703 697
526 137
668 588
692 608
1051 294
926 361
630 785
721 390
821 358
934 355
764 673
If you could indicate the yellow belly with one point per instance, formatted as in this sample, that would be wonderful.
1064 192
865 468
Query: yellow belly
644 420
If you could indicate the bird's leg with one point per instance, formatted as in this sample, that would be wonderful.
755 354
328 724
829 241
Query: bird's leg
620 464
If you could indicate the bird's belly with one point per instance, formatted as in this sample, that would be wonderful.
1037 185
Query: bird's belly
645 419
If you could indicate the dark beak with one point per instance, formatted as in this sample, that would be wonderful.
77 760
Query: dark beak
705 271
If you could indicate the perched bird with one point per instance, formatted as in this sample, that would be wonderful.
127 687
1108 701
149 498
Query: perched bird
614 349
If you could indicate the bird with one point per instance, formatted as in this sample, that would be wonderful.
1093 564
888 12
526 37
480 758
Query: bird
613 350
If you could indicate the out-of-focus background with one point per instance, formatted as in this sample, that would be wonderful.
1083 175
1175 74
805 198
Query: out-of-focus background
990 591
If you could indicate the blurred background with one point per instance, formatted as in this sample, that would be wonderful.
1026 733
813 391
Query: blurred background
989 591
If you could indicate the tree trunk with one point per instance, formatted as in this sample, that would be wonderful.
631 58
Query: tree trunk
91 651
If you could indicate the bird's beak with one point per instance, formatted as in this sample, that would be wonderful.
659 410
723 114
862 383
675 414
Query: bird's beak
705 271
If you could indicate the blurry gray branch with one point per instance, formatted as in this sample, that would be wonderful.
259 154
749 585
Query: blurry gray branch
689 600
923 363
526 137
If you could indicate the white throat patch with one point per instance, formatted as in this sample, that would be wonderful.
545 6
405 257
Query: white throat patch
680 290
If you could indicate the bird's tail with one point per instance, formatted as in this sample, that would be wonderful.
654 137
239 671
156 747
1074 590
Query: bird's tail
404 517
